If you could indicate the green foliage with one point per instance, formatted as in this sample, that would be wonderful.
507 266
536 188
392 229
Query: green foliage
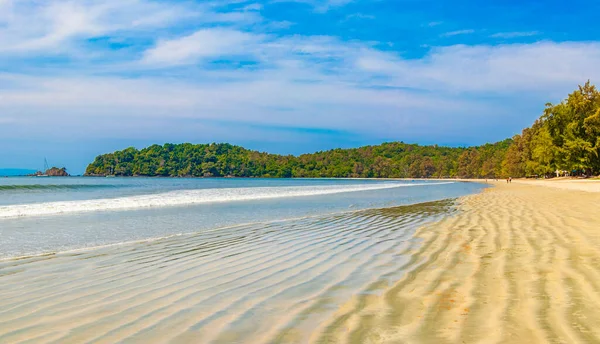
389 160
566 137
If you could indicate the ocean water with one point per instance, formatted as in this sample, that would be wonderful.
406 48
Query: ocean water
143 260
44 215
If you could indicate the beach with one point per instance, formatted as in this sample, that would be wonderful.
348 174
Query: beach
299 172
514 263
519 264
259 261
586 185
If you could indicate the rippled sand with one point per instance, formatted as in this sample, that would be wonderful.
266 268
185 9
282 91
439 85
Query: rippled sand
516 264
275 282
520 264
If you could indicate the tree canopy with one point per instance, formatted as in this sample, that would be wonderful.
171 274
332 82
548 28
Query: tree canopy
565 138
395 159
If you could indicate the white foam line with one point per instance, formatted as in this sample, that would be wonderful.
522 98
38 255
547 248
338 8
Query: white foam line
188 197
85 249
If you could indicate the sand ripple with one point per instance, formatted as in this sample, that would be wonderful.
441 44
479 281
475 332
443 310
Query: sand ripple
520 264
274 282
516 264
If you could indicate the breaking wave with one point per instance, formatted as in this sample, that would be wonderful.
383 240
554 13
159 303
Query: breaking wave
189 197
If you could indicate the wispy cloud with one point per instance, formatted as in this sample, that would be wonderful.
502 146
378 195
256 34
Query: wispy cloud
457 32
281 24
205 43
325 5
321 6
515 34
434 23
349 80
253 7
359 16
49 27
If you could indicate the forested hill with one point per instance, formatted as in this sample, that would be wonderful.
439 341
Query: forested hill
388 160
566 137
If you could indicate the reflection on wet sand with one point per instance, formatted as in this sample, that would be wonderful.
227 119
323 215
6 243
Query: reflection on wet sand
518 264
269 282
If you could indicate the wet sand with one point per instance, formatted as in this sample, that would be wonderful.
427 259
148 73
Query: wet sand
258 283
519 264
516 263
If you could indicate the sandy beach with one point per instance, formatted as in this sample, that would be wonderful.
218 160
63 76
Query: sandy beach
519 264
516 263
587 185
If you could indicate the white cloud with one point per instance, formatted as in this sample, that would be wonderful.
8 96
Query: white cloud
277 25
434 23
65 20
400 96
264 99
457 32
321 5
544 67
515 34
253 7
53 27
46 27
359 16
326 5
204 43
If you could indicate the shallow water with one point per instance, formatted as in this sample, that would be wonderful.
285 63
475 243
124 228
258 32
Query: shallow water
264 282
42 215
106 260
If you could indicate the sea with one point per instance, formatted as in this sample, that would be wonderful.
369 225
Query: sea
86 259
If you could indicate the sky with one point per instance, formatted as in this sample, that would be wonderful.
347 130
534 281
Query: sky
87 77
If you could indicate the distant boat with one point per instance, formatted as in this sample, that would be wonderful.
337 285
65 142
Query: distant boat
46 168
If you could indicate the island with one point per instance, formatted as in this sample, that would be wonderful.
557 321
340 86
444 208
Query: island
52 172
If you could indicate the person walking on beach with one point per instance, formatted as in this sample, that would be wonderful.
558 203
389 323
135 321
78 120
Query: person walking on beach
510 179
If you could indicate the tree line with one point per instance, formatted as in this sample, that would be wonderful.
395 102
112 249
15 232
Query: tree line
388 160
566 137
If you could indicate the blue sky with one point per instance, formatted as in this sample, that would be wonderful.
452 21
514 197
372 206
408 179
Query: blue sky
81 78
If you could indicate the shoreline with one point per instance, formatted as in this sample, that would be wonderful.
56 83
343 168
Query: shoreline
518 263
562 180
150 201
166 237
253 283
512 263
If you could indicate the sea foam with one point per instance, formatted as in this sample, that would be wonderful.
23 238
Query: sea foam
189 197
